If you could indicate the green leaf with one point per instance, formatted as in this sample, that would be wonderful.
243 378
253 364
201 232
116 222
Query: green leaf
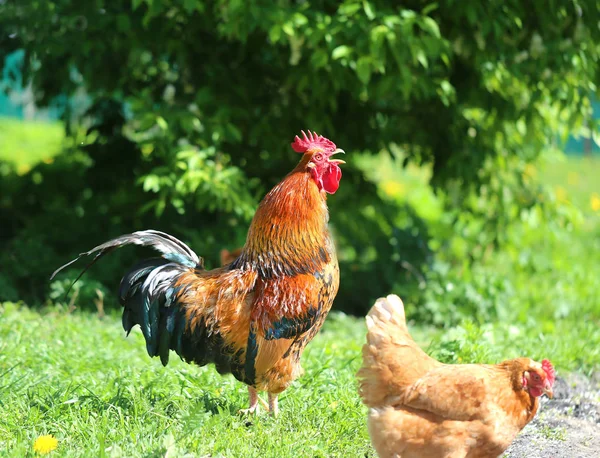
445 59
319 58
288 29
162 123
151 183
340 52
422 58
429 8
161 204
521 126
446 92
363 69
430 26
275 33
378 33
300 19
349 8
408 14
368 9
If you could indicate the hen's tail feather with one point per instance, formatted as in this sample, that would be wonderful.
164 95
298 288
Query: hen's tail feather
148 291
392 360
385 315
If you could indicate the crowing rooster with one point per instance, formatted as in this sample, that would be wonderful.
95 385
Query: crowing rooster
421 408
254 316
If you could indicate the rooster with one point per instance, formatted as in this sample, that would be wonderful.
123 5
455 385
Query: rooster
254 316
419 407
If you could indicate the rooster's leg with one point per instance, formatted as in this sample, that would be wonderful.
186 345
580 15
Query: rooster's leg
254 399
273 408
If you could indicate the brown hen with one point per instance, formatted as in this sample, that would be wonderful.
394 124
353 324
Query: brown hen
421 408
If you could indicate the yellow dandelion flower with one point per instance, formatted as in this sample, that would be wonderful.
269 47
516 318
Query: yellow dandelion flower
530 171
572 178
561 194
22 169
595 202
45 444
394 188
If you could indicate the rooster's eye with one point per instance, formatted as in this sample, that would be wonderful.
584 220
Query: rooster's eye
318 157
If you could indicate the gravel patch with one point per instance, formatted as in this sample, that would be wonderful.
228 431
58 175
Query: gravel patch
567 426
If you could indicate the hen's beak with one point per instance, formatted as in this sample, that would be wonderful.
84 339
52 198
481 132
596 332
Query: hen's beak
337 161
548 390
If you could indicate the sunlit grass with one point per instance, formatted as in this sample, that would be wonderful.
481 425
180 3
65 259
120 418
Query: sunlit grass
25 143
76 376
577 178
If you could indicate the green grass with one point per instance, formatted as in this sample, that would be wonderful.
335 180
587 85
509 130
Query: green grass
26 143
576 179
549 433
77 377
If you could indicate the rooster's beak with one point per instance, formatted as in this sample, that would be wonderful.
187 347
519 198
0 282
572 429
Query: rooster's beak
338 161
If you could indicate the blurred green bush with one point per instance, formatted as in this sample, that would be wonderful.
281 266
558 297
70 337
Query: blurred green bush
194 103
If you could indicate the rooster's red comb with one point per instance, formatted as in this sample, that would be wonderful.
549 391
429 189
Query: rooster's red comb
549 370
312 141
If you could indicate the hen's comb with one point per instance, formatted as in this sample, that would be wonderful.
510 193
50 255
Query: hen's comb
312 141
549 370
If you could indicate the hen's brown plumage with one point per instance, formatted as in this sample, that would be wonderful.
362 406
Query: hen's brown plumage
419 407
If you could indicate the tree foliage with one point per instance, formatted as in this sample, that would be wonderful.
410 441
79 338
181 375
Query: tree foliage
193 105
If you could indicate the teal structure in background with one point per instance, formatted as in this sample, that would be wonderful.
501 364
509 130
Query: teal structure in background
582 145
11 78
16 100
15 105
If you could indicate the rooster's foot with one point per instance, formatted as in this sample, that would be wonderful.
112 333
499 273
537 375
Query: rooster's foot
273 406
254 400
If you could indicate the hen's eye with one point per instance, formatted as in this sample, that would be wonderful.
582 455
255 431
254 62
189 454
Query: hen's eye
536 377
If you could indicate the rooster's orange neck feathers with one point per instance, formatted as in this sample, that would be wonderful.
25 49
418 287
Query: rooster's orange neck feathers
289 234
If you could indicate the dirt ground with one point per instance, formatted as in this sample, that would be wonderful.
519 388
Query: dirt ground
567 426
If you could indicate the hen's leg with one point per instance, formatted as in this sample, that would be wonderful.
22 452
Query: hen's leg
273 407
254 399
